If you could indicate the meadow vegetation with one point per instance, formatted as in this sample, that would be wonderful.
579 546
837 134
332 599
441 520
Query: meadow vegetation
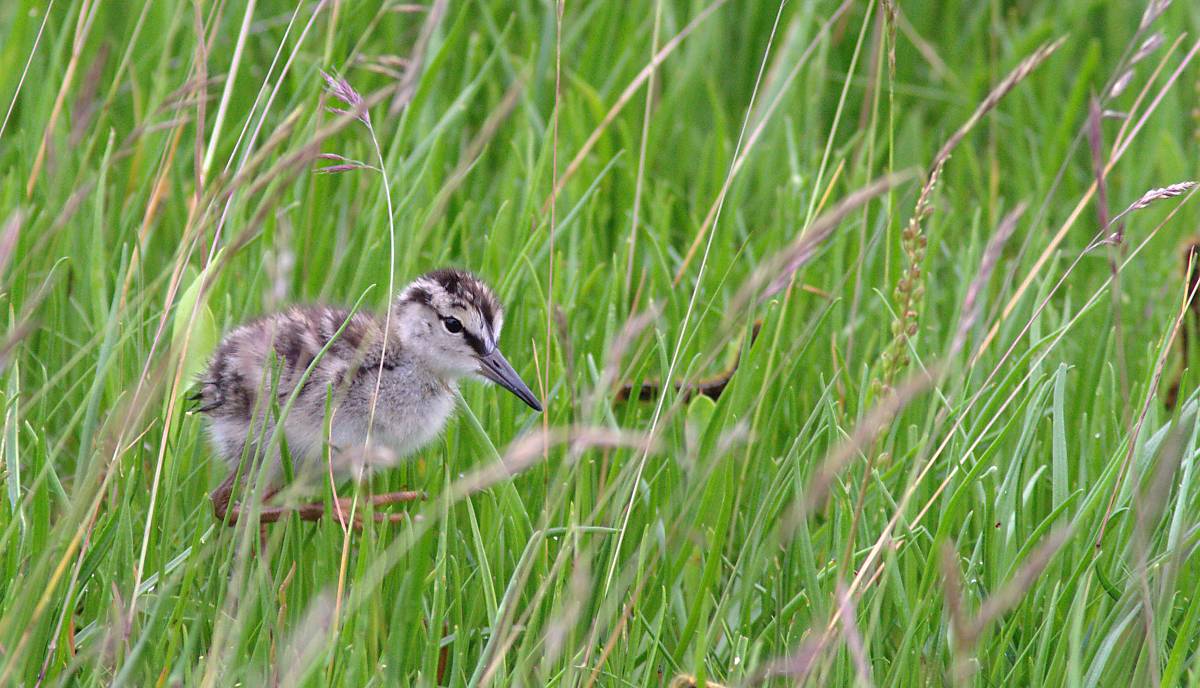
940 246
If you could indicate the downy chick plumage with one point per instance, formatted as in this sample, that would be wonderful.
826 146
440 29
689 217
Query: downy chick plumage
444 326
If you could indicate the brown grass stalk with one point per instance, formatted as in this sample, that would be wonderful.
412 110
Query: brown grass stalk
639 180
927 463
625 97
528 450
10 232
873 424
969 629
775 273
1095 136
861 579
1148 506
991 258
910 289
760 125
1151 395
471 154
1048 252
852 636
83 27
407 87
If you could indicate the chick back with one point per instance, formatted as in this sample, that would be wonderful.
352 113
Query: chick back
272 355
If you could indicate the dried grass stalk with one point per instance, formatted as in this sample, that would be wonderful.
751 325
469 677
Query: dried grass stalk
910 288
529 449
1154 10
407 87
623 100
864 434
1147 47
797 665
341 89
991 257
9 233
1163 193
306 641
997 94
774 274
617 349
852 636
967 631
1147 199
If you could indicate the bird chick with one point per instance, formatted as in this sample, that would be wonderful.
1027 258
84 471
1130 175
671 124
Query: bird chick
387 382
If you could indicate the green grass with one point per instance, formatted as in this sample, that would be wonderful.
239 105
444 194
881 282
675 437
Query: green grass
957 541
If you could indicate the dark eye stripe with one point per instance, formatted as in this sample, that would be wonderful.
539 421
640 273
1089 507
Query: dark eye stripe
474 342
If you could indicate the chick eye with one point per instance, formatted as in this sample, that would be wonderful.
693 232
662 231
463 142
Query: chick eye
452 325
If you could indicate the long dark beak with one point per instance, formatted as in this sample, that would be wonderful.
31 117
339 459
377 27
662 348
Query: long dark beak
495 367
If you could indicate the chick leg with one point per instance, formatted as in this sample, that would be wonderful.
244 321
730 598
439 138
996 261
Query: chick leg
220 498
229 513
315 511
396 497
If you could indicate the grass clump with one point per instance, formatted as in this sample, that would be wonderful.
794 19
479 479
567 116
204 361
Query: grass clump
943 455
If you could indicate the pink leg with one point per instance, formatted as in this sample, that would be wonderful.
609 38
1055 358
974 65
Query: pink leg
229 513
